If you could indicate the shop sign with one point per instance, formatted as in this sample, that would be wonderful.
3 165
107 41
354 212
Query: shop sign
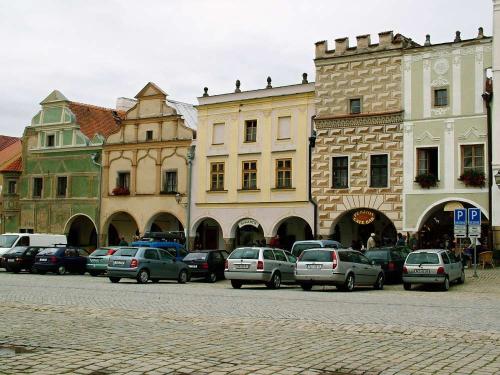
363 217
246 222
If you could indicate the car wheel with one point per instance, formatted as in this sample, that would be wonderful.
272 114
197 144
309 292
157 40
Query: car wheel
461 280
93 273
15 270
155 280
407 286
142 277
114 279
306 286
379 284
446 284
82 272
183 277
349 283
275 281
61 270
42 272
32 269
236 284
211 277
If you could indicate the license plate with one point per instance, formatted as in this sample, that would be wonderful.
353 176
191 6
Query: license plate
11 260
193 266
315 266
421 270
43 259
119 262
242 266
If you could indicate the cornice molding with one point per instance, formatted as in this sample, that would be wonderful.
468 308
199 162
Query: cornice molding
352 121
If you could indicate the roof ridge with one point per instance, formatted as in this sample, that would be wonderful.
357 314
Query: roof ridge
95 106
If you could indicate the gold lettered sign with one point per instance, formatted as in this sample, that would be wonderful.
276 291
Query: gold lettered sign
363 217
246 222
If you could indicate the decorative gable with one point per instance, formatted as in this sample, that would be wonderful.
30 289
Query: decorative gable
150 90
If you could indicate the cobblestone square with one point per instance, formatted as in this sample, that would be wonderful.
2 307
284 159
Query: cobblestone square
84 325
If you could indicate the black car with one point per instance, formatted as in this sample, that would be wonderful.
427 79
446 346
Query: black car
21 258
208 264
61 260
391 259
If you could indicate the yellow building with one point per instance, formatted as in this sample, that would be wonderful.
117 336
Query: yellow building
145 167
251 167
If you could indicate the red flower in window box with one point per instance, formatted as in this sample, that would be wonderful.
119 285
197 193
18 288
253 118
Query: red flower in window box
473 178
120 190
426 180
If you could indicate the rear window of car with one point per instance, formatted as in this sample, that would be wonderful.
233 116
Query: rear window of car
316 256
99 252
126 252
49 251
196 256
300 247
377 254
245 253
422 258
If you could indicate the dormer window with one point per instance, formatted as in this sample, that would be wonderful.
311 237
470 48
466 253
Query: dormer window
51 140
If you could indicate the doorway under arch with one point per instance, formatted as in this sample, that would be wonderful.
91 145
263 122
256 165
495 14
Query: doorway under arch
293 229
249 232
209 235
121 224
81 232
164 222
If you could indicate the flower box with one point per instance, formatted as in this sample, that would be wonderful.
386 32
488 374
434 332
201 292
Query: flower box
119 190
426 180
473 178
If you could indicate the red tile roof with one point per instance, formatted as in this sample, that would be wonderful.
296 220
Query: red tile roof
93 119
6 141
15 166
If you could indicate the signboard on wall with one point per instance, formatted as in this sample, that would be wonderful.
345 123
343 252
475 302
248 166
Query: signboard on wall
246 222
363 217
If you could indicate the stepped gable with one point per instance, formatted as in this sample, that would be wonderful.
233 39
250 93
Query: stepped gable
15 166
96 120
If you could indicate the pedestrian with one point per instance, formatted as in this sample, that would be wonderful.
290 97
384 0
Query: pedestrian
371 243
413 242
275 242
401 240
123 242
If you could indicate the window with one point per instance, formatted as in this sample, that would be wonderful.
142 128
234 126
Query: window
62 184
11 189
268 254
378 171
284 174
170 183
355 106
440 97
472 158
427 161
217 176
284 124
218 134
123 180
164 255
249 175
340 172
51 140
251 131
23 241
37 187
151 254
280 255
149 135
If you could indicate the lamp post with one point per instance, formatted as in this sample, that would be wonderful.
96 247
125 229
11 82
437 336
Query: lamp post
190 157
487 97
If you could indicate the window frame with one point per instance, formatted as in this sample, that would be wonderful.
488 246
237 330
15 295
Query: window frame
332 171
166 172
250 137
9 184
283 170
47 135
249 172
417 170
218 175
37 178
214 125
435 91
57 187
149 132
462 160
278 138
119 179
387 185
350 102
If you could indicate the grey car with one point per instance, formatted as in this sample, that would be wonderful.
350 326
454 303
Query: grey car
251 265
299 246
432 266
144 264
343 268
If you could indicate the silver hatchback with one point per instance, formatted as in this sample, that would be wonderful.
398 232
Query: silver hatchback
340 267
432 266
250 265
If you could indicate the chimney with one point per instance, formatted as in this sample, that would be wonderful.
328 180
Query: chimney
480 33
363 41
124 104
385 38
427 40
341 44
321 48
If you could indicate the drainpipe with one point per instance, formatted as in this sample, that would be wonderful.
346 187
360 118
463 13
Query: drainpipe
312 144
94 157
190 157
487 97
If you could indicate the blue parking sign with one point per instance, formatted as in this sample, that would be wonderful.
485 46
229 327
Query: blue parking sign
474 216
460 216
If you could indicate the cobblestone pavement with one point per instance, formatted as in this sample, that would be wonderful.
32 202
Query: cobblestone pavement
84 325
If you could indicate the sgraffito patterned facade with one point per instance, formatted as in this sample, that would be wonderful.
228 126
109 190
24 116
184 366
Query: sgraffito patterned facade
371 75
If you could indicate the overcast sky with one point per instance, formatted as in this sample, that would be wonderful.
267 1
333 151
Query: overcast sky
94 51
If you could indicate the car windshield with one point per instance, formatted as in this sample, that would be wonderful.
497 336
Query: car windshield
377 254
422 258
49 251
126 252
245 253
17 250
7 240
196 256
99 252
316 256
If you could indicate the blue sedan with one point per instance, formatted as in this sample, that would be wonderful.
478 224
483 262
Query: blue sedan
61 260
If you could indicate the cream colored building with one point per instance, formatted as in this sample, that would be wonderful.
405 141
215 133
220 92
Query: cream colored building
251 167
496 123
145 167
358 159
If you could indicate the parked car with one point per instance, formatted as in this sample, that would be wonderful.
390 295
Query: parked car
251 265
207 263
175 248
97 263
432 266
299 246
11 240
146 263
61 259
20 258
391 259
343 268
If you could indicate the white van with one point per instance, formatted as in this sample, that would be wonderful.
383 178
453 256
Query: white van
10 240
